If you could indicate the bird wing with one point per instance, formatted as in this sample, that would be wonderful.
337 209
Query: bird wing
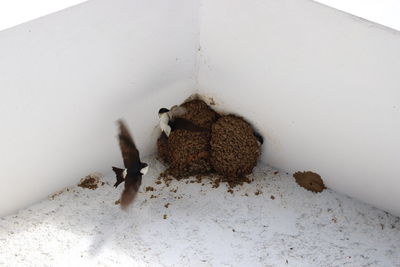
130 154
177 111
184 124
119 174
132 184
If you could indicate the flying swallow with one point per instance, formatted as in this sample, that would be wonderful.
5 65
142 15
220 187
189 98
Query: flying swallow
134 168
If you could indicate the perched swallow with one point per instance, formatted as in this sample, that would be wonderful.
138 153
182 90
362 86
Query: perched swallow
164 116
134 168
170 122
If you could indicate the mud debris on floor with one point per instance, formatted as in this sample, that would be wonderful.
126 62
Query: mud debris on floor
90 182
204 226
310 180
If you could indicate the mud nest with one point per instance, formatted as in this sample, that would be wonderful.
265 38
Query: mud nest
228 147
234 148
175 150
189 153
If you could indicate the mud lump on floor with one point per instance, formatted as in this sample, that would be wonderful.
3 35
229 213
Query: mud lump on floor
310 181
226 147
90 182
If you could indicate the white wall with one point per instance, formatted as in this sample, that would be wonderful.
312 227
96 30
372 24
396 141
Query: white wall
322 86
66 78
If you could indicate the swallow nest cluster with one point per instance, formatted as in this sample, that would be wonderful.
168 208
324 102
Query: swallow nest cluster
228 147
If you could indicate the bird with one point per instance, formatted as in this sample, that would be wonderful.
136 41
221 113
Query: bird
169 121
134 168
166 116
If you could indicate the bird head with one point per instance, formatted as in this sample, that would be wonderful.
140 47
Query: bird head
162 111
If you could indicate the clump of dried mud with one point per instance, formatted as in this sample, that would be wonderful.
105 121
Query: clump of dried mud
90 182
310 181
227 147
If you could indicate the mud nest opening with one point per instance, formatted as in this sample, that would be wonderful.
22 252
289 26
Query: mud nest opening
227 146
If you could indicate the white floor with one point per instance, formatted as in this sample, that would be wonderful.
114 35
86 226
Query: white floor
204 227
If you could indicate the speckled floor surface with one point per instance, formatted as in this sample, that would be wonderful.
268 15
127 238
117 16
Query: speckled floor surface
283 225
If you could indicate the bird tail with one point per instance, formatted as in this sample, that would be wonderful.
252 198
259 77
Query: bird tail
129 193
127 197
120 175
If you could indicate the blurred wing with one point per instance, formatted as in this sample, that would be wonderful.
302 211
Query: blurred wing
130 154
132 184
177 111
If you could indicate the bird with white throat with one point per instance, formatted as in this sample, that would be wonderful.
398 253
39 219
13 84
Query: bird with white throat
134 168
167 115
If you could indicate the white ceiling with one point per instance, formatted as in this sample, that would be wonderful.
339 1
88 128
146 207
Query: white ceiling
385 12
14 12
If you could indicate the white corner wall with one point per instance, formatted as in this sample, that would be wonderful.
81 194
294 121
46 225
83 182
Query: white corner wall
322 86
65 79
